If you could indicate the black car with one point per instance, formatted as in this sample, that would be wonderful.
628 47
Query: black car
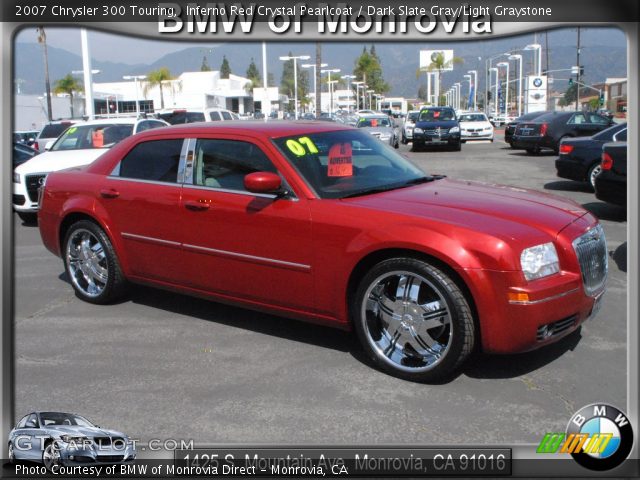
511 126
437 126
549 130
580 157
22 153
611 184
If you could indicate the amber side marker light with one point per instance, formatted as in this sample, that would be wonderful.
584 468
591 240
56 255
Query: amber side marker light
518 297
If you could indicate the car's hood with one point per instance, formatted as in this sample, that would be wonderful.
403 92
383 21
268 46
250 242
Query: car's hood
466 125
83 431
441 124
381 130
59 160
494 209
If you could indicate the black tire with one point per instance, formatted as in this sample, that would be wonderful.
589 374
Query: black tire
110 285
457 147
28 218
415 147
533 151
404 140
594 171
446 303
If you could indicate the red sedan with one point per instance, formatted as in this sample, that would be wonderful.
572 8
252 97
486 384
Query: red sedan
325 223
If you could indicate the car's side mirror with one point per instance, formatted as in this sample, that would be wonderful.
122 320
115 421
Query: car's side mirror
49 144
263 182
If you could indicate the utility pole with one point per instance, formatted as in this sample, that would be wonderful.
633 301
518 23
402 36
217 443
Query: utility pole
546 58
317 72
578 74
42 39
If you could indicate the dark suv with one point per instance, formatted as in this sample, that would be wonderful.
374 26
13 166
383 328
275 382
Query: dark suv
437 126
549 130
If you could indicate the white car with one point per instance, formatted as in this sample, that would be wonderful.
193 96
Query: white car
500 120
180 115
475 126
408 126
80 144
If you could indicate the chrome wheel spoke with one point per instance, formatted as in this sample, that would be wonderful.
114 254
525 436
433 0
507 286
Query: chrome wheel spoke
87 262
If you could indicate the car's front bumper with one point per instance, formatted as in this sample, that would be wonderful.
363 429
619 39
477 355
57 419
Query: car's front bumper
25 198
571 168
476 135
442 139
611 188
94 455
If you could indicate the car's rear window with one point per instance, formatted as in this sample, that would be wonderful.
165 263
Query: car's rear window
179 117
103 135
54 130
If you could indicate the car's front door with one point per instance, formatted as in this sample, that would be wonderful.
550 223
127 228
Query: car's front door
142 200
241 244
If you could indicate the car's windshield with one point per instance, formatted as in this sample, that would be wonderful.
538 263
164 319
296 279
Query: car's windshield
413 116
473 117
437 115
57 418
103 135
347 163
374 122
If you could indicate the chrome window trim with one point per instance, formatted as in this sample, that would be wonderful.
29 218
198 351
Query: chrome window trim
244 256
185 166
615 135
141 180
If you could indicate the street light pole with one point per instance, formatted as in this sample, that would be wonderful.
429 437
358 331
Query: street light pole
295 79
349 78
475 88
506 95
519 58
357 84
315 80
537 59
468 78
135 78
329 72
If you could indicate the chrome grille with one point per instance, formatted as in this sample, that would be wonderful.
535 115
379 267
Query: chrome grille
436 131
556 328
591 250
33 183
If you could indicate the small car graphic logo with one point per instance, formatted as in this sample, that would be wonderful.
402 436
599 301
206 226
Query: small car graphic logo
537 82
41 181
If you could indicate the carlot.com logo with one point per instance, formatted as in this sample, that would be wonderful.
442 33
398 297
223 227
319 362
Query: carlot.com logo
598 437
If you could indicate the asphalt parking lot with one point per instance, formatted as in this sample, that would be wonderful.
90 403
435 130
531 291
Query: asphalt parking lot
160 365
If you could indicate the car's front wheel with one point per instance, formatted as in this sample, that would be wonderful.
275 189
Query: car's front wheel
12 453
412 319
91 263
50 456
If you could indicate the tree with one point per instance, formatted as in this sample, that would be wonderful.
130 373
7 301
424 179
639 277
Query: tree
205 65
369 69
253 74
156 78
225 69
423 94
67 85
571 94
440 64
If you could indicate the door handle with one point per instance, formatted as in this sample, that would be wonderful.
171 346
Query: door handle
109 193
196 206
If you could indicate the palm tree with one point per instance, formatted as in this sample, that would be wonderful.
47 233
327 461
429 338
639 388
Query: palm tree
440 64
67 85
155 79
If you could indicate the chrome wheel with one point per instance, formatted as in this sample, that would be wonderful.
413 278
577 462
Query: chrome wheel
12 454
87 262
593 174
50 456
407 321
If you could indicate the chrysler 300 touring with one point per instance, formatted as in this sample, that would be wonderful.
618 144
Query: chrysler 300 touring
323 222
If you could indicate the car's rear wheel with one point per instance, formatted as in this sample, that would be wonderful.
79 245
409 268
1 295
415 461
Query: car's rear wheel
533 151
594 171
92 264
412 319
12 453
50 456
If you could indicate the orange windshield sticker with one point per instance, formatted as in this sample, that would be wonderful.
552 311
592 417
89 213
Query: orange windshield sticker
374 122
97 138
436 114
340 160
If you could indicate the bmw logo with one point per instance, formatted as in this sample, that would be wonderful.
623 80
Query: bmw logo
607 434
537 82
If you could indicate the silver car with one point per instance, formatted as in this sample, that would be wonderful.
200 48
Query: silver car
381 127
56 438
408 126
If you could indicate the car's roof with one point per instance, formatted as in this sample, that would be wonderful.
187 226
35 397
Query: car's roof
273 129
123 121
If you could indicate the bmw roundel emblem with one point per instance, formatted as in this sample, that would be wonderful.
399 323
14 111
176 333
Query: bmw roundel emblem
607 435
537 82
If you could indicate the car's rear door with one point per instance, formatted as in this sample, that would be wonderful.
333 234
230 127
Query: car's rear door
141 198
237 243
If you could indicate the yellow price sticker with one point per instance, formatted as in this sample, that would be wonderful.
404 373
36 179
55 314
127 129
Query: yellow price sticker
297 147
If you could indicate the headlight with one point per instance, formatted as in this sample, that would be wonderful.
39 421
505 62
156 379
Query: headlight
539 261
16 177
417 130
454 129
487 128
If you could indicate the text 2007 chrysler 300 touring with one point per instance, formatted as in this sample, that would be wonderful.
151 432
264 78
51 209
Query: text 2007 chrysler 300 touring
325 223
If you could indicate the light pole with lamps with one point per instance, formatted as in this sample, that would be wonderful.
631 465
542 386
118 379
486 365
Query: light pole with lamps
370 91
538 57
135 78
467 78
295 78
313 65
506 95
519 58
458 86
475 88
348 78
329 71
496 103
357 84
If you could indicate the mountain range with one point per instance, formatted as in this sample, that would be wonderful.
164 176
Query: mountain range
600 56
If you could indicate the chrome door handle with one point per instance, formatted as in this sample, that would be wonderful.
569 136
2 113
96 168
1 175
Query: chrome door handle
109 193
197 206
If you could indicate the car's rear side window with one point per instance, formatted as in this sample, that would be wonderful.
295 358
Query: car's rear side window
226 115
54 130
156 160
215 116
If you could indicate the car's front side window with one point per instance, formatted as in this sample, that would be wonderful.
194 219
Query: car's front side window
155 160
22 422
221 163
